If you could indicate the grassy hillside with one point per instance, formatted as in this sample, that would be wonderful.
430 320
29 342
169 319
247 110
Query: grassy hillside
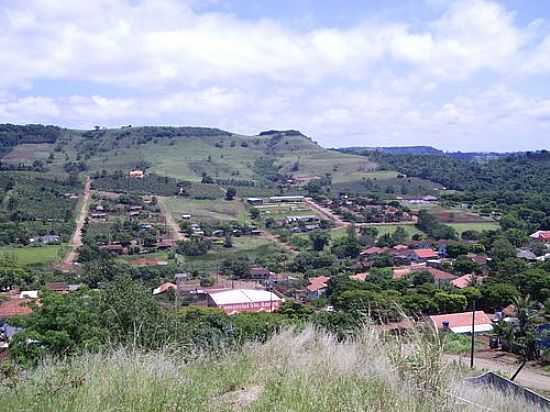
187 152
307 371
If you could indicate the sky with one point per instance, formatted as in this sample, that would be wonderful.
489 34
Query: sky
469 75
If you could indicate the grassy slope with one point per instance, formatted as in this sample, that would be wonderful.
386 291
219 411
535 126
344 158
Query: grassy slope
309 371
187 157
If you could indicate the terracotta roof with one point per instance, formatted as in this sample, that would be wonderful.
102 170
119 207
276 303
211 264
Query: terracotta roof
317 283
462 282
164 288
460 320
438 275
400 247
56 286
541 235
374 250
359 276
14 307
425 253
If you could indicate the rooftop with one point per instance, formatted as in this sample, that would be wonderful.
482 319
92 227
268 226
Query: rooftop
462 322
235 296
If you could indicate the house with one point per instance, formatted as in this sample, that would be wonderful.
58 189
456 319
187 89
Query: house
400 248
259 272
317 287
302 219
255 201
541 235
137 174
114 249
361 277
286 199
465 281
49 239
165 287
440 276
526 254
462 322
374 250
235 301
28 294
422 255
59 287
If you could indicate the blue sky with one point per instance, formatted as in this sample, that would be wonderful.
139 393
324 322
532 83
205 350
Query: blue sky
459 75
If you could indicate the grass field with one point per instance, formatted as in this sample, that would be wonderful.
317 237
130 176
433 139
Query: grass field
462 227
208 211
282 210
42 255
250 247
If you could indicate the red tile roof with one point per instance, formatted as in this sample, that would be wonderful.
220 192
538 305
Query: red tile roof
541 235
359 276
460 319
462 282
400 247
438 275
13 307
317 283
425 253
374 250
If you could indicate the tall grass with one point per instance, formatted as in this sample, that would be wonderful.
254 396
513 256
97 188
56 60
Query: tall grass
305 370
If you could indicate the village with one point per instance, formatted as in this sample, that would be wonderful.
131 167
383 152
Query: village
261 254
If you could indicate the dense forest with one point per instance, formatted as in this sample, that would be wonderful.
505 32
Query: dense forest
12 135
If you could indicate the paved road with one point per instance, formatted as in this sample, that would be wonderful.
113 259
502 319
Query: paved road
76 240
528 376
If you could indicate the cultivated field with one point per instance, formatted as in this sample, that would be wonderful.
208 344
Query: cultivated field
27 153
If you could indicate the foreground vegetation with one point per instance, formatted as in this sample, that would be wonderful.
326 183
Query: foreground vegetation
299 371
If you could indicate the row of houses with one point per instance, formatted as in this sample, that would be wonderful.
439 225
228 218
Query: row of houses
256 201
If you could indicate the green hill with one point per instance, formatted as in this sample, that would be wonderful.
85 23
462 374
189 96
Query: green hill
184 152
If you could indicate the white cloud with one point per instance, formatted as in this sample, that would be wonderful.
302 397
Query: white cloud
388 80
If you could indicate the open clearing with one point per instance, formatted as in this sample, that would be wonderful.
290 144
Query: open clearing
208 211
35 255
27 153
281 210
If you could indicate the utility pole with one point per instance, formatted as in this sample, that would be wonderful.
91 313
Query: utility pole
473 334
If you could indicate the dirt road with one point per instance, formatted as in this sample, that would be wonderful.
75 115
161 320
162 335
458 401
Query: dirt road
326 213
172 225
76 240
528 376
